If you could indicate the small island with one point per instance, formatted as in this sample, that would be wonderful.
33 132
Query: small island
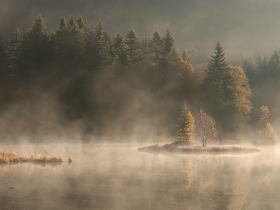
192 150
204 128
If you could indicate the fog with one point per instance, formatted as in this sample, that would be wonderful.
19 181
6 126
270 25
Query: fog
72 89
250 25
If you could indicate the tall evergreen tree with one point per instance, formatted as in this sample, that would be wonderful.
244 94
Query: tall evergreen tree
217 88
35 45
168 42
156 47
274 62
133 48
14 53
101 48
119 50
145 48
259 62
70 41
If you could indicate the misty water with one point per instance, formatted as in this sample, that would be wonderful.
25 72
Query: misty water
118 176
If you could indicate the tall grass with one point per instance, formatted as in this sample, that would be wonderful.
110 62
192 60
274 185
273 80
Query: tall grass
13 157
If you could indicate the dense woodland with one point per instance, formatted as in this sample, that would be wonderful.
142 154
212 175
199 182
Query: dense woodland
80 80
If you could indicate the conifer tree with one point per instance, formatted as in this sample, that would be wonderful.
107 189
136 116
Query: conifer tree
133 48
70 39
274 61
217 88
259 62
145 48
186 127
156 47
35 44
119 50
168 42
14 53
101 48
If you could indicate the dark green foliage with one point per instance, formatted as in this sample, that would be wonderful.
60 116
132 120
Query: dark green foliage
156 48
14 53
98 48
99 82
133 47
217 88
168 42
119 50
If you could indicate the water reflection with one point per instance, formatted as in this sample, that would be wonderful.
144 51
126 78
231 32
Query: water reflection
222 182
5 169
119 177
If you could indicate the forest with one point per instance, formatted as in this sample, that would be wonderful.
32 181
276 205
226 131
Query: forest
74 80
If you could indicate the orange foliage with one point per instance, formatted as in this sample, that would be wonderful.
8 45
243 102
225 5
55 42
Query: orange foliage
241 90
183 68
266 130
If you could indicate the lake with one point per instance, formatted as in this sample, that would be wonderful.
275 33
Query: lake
117 176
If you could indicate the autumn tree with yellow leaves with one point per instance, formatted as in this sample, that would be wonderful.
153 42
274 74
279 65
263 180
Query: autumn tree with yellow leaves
266 130
186 127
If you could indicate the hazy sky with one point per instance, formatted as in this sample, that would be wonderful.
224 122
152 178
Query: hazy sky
245 25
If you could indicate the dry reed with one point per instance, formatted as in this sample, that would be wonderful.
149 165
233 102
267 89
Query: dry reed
13 157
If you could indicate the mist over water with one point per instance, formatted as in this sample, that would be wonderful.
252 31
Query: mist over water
117 176
67 88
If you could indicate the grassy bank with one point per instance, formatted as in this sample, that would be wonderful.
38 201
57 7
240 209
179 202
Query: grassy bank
13 157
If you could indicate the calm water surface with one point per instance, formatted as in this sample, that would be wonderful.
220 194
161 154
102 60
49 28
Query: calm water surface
117 176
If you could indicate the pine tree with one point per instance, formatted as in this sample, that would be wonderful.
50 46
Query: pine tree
35 43
119 50
217 88
156 47
70 39
145 48
186 127
14 53
133 48
274 61
168 42
259 62
101 48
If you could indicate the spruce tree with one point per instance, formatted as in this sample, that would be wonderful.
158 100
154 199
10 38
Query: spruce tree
156 47
101 48
168 42
274 61
217 88
133 48
35 47
119 50
14 53
70 39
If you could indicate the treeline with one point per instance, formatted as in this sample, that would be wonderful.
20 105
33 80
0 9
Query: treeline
121 85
